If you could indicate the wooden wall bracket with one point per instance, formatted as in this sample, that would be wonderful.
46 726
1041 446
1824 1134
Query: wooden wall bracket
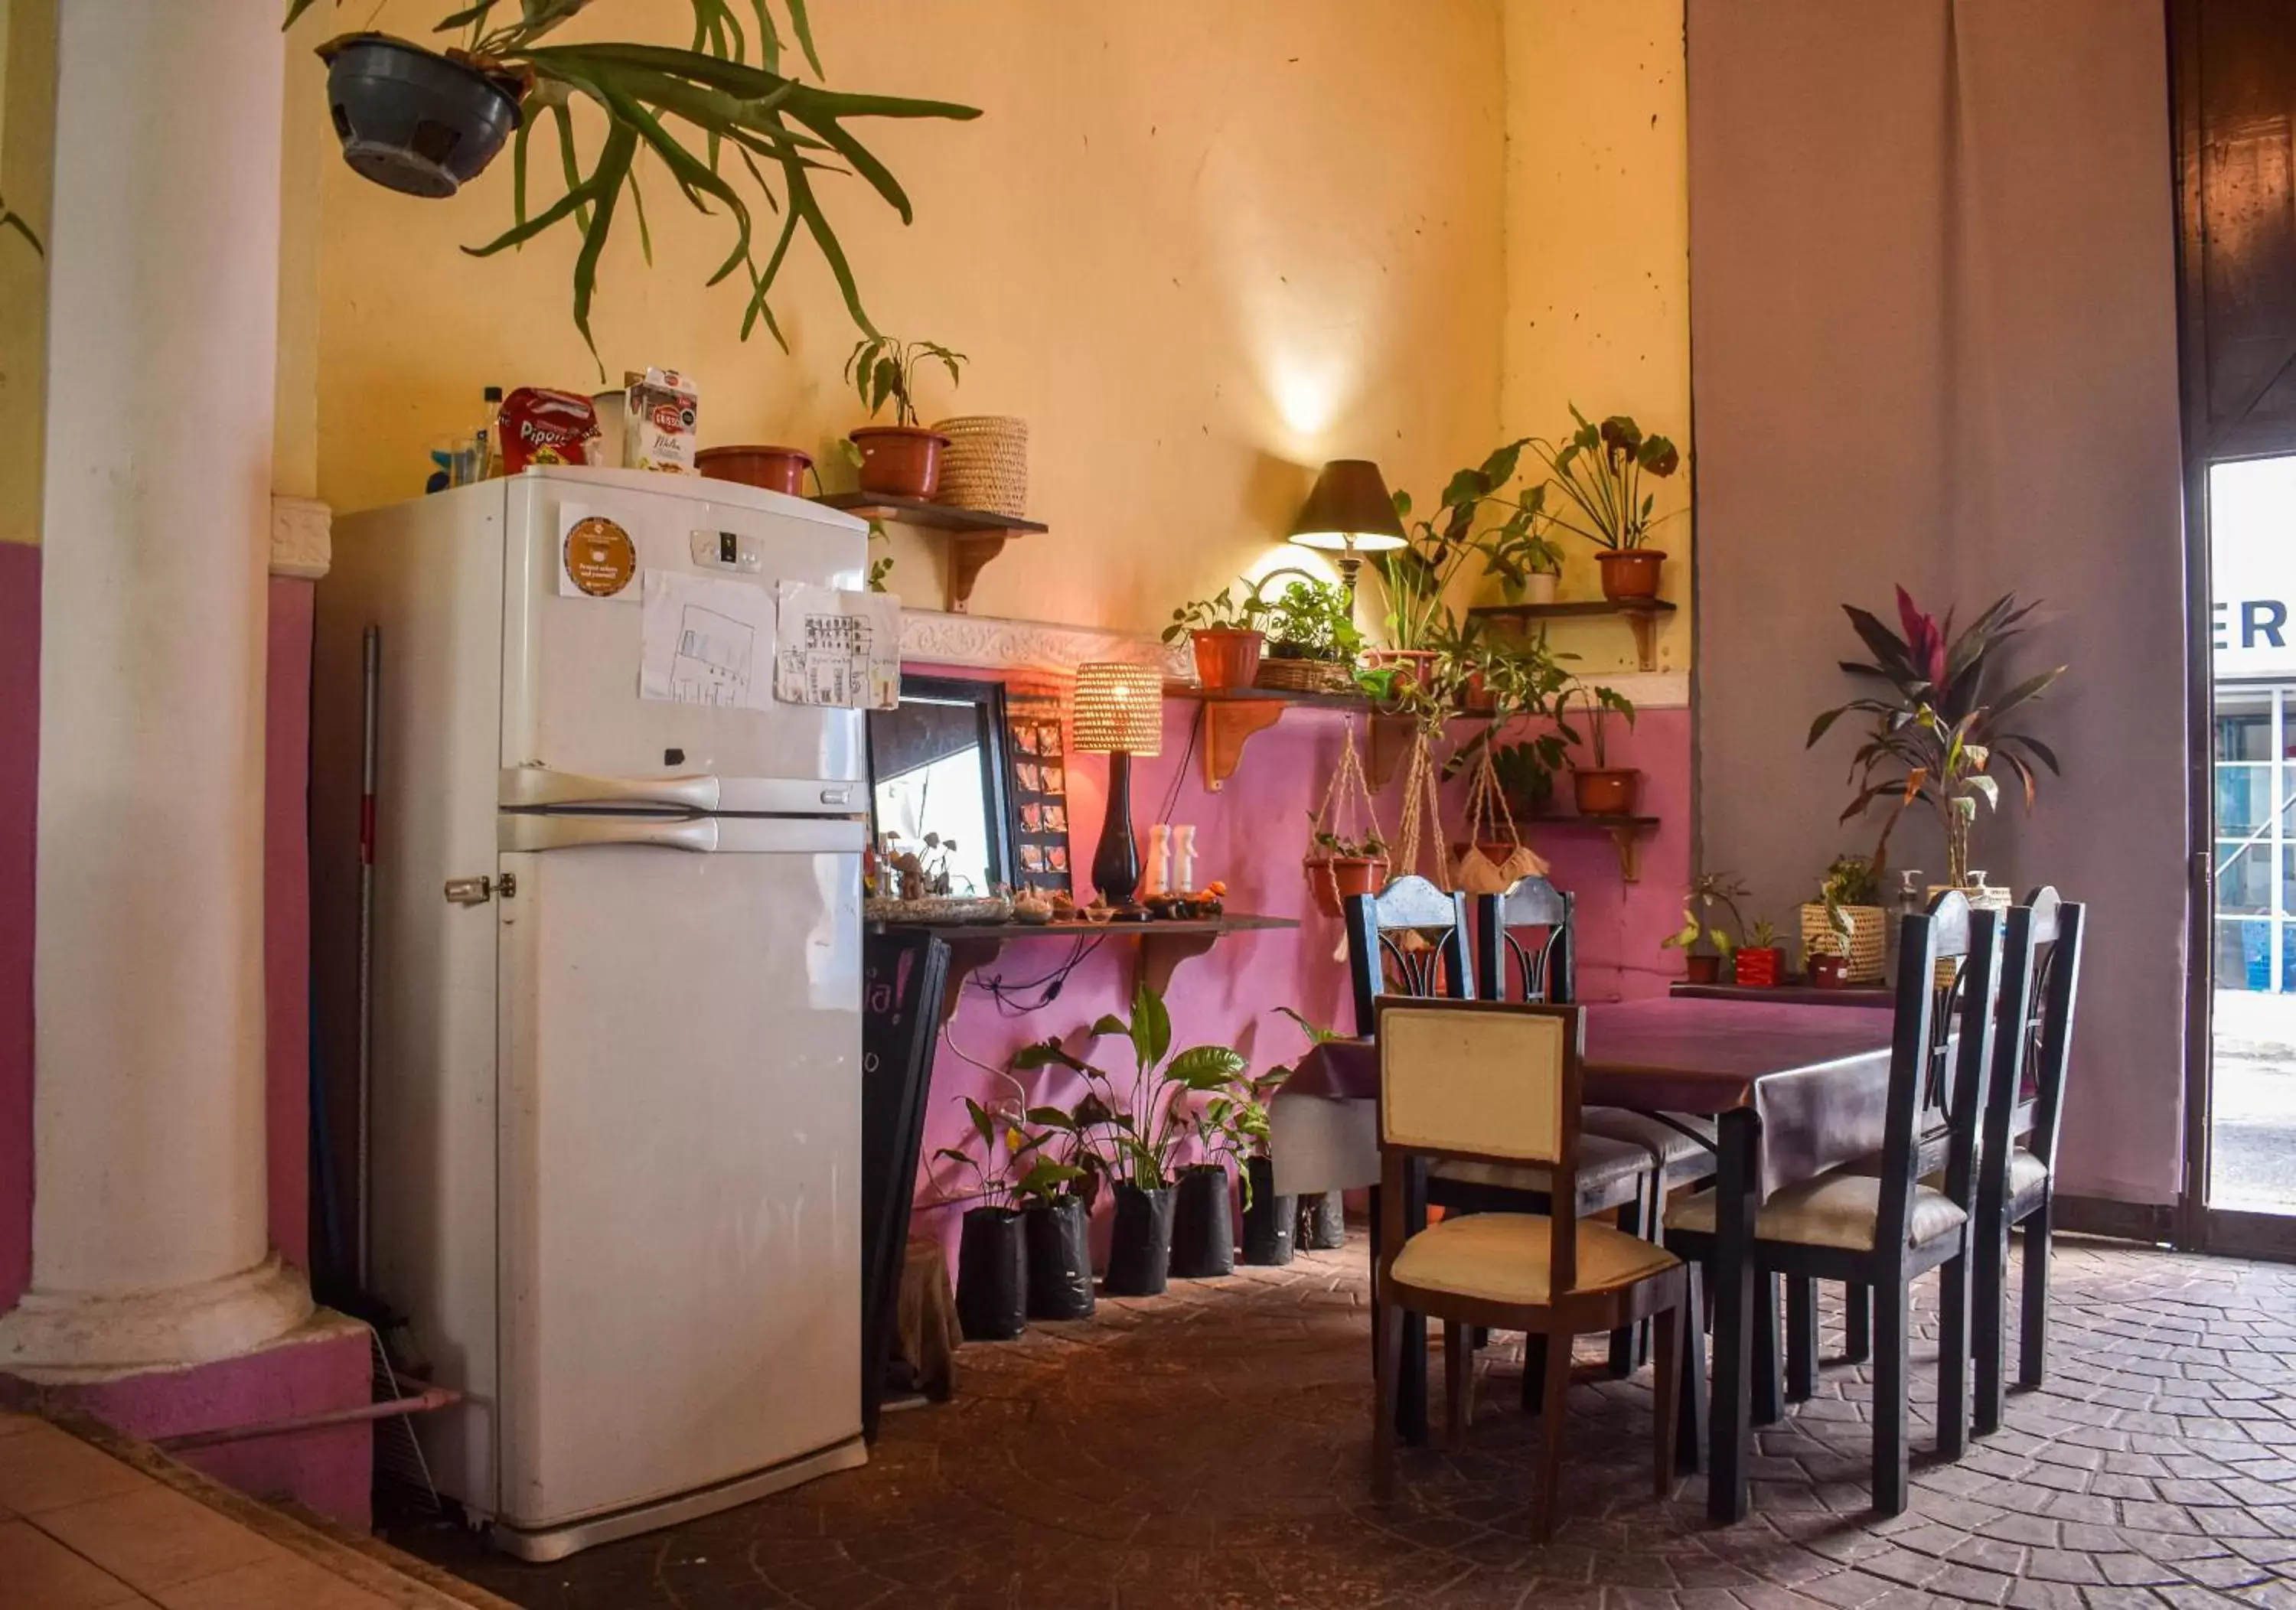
1228 725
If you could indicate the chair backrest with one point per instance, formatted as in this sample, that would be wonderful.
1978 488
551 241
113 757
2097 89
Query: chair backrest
2040 980
1484 1081
1545 966
1408 939
1941 1052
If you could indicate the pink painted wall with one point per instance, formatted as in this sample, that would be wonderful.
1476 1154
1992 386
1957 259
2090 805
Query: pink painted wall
20 757
1251 834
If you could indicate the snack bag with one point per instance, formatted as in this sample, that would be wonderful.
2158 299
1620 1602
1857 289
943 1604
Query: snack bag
657 422
543 427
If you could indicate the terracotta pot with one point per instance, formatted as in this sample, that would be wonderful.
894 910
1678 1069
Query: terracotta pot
1326 892
1630 573
899 461
1828 972
1475 695
1355 875
1606 791
772 468
1760 967
1225 659
1414 666
1700 969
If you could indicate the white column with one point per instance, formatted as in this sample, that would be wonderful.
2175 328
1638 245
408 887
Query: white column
148 1240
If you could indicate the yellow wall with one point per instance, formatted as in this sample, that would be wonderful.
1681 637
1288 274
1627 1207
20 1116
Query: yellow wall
27 87
1201 246
1598 258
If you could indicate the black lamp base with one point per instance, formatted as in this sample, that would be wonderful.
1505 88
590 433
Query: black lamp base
1116 861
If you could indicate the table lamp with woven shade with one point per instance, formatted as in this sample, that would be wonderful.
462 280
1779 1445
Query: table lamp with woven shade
1119 713
1350 514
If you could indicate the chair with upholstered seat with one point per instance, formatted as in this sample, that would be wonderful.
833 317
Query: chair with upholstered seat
2040 977
1884 1229
1498 1084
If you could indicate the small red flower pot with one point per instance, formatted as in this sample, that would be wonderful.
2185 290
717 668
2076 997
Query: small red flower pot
1759 968
1701 969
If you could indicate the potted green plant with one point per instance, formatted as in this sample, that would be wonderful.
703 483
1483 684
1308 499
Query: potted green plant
1418 575
1312 637
1056 1226
1601 789
1710 893
1131 1133
1939 722
1340 866
1224 632
693 110
902 459
1230 1130
1761 961
1848 907
1520 556
992 1267
1599 470
1269 1219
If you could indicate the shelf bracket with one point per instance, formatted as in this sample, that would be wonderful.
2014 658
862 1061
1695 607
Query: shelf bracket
1644 626
968 553
1390 741
1227 724
1628 838
1160 955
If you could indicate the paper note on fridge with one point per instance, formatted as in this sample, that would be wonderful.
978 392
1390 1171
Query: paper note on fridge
838 647
706 641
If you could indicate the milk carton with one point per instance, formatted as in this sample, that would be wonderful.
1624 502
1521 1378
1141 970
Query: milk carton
657 422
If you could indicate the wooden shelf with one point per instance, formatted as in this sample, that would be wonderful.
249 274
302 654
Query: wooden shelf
974 536
1163 944
1234 715
1789 991
1643 615
1626 833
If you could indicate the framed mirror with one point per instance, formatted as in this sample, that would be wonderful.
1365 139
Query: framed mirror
941 764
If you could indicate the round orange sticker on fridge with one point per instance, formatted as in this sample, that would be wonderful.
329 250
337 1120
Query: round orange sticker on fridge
600 557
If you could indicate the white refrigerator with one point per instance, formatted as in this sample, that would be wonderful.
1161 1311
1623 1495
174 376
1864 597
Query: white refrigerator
615 1093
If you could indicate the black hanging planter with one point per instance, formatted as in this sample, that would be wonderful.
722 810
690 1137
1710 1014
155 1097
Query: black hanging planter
1140 1249
411 119
992 1276
1203 1224
1059 1234
1323 1222
1268 1218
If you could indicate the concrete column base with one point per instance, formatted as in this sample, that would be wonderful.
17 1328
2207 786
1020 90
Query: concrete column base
83 1336
324 1364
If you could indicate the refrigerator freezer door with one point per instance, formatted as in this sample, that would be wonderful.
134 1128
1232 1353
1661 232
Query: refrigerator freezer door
681 1040
571 661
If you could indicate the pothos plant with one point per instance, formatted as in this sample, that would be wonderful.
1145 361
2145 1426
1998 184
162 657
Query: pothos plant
1130 1130
1223 611
1710 893
706 113
1311 619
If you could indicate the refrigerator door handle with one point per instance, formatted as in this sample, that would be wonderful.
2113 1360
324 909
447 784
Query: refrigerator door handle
529 787
697 834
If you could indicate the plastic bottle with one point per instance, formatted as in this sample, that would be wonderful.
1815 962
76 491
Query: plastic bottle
488 437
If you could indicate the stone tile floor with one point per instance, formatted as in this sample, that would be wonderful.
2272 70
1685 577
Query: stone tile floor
1208 1448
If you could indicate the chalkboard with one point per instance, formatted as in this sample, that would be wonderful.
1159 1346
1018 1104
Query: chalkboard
904 973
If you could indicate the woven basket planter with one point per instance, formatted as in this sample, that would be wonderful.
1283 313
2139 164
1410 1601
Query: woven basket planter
985 464
1305 675
1869 935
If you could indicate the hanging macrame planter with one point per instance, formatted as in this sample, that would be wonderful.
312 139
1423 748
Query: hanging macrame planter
1496 857
1421 830
1346 852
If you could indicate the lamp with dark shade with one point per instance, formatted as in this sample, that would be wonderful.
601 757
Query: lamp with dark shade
1119 713
1349 514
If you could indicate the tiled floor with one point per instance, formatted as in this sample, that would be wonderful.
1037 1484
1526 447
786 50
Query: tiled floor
82 1528
1209 1449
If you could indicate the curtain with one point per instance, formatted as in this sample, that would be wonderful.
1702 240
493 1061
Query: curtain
1933 342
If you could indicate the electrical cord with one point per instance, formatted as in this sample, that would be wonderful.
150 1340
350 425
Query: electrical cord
1048 987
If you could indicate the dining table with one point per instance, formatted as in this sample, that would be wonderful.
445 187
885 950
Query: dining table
1793 1090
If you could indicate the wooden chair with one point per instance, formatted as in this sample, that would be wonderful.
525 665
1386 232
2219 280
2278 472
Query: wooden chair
1498 1084
1884 1230
2040 977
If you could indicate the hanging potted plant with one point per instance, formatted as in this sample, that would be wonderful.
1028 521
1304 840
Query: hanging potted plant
992 1268
1312 639
1601 789
1224 632
424 122
1848 908
1939 723
1346 853
902 459
1599 470
1132 1133
1710 893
